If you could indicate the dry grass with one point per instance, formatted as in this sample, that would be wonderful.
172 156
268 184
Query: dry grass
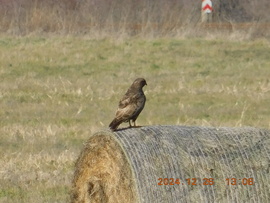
109 179
56 91
162 18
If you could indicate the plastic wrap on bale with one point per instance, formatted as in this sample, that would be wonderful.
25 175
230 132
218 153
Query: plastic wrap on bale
125 166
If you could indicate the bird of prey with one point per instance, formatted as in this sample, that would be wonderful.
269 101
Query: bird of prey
131 105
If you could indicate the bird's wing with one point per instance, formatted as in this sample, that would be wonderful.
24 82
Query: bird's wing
127 100
124 102
126 112
127 106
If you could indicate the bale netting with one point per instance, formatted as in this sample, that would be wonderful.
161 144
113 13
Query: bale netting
171 164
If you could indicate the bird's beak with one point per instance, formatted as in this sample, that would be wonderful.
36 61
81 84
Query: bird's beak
145 83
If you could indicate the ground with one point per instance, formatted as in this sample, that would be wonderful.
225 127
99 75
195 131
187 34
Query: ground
56 91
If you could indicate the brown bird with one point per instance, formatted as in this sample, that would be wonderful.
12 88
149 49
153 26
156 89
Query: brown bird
131 105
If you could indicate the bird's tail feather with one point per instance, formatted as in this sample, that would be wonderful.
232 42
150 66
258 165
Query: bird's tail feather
114 124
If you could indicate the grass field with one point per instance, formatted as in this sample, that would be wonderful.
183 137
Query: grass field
56 91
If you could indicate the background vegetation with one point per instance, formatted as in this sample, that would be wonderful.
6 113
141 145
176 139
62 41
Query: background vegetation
129 17
56 91
65 64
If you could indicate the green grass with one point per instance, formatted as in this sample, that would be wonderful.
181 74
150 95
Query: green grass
55 92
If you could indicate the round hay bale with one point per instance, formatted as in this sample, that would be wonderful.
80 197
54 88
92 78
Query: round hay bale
170 164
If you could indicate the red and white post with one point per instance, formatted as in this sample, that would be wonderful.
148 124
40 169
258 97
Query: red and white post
207 11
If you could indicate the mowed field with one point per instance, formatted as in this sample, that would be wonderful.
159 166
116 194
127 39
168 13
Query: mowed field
56 91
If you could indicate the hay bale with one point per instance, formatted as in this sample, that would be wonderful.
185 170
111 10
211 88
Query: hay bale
126 166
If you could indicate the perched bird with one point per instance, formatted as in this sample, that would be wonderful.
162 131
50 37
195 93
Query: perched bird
131 105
